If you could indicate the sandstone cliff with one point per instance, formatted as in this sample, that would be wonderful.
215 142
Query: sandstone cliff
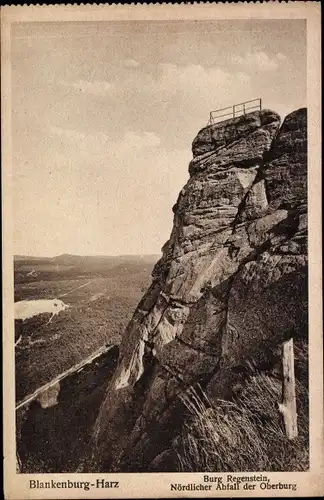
232 282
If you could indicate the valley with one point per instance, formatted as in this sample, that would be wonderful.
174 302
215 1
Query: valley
68 321
94 299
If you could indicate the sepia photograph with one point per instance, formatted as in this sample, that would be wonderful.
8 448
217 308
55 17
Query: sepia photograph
160 190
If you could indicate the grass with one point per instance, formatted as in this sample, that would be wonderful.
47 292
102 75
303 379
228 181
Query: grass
245 434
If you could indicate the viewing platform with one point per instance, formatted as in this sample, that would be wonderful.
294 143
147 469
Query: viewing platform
243 108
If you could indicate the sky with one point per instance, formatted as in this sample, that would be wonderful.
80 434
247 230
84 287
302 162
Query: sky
104 115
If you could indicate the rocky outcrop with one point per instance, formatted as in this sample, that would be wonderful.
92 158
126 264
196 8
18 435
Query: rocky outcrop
49 397
232 280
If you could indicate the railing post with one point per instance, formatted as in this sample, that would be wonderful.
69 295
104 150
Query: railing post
244 108
234 111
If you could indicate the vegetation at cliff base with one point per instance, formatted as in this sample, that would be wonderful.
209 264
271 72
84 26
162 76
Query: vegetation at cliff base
246 433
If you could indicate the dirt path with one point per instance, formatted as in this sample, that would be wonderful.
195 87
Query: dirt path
77 288
60 377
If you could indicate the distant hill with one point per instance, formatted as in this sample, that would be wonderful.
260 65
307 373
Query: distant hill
18 258
67 259
28 268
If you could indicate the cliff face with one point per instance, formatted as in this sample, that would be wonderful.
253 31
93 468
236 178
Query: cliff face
232 281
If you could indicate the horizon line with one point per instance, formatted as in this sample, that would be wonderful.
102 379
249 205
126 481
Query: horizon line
84 255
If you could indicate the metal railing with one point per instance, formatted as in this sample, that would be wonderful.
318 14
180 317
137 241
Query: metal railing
240 109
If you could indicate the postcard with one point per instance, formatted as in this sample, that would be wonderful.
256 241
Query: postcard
162 251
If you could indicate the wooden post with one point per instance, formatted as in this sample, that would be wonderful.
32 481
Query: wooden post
288 407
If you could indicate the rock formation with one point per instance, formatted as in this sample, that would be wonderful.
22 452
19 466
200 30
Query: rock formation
232 281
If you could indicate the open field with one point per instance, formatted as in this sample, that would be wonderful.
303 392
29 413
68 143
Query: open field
101 294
